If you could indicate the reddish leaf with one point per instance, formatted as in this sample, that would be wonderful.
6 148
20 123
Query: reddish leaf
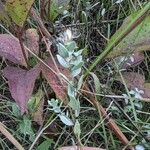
21 84
32 40
11 49
53 79
132 60
76 148
146 90
133 80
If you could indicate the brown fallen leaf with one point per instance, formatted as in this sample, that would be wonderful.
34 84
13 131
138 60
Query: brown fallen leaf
79 148
133 80
131 60
31 40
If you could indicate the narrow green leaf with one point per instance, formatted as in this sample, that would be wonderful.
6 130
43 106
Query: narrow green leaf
96 82
136 41
80 82
45 145
130 27
77 129
74 104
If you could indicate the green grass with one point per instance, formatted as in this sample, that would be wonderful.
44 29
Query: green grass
95 31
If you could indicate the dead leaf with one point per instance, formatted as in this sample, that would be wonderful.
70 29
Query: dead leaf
146 90
131 60
11 49
32 40
36 103
38 115
81 148
133 80
54 81
21 84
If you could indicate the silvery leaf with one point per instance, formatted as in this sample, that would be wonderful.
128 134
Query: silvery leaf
139 147
76 72
77 129
54 104
77 61
62 50
74 103
103 12
66 120
118 1
71 90
78 52
80 82
62 61
71 46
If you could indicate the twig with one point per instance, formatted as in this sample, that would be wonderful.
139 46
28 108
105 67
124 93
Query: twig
22 46
113 96
111 123
39 21
42 8
10 137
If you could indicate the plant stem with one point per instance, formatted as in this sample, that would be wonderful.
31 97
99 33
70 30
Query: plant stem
22 46
131 26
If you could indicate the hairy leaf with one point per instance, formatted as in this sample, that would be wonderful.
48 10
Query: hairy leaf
11 49
21 84
18 10
65 119
77 129
137 40
54 80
